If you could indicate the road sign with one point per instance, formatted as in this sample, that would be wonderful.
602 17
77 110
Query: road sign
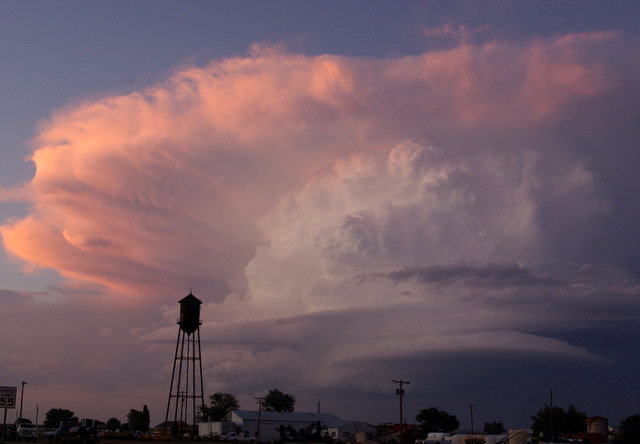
8 397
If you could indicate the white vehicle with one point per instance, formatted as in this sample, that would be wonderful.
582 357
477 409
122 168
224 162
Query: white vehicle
27 432
233 436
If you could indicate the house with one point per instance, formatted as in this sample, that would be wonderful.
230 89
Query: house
353 431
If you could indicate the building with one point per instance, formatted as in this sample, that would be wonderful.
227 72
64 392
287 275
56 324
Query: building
275 425
215 428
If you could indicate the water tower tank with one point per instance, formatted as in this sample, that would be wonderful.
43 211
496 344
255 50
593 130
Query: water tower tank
189 313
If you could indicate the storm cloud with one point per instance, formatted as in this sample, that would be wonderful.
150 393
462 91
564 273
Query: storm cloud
338 213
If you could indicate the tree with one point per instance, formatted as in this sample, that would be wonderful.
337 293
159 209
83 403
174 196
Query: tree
276 401
630 430
220 404
113 424
571 421
139 420
54 417
493 428
316 432
434 420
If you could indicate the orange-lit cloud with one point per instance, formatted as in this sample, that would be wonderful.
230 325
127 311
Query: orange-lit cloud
297 190
336 214
165 187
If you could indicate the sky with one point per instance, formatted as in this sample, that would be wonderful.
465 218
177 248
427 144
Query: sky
440 192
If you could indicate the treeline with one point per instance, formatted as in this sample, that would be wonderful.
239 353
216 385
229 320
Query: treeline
220 404
548 424
137 420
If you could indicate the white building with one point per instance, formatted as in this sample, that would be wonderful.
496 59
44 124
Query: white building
272 422
215 428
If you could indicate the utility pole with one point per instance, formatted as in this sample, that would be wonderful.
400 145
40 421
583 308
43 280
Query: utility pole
4 425
471 410
259 399
400 392
551 415
21 398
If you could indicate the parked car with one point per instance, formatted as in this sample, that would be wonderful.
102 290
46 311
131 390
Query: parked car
233 436
26 431
71 432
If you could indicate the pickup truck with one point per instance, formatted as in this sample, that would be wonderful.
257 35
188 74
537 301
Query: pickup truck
26 431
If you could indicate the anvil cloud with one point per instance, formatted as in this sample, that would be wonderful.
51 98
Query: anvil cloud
336 213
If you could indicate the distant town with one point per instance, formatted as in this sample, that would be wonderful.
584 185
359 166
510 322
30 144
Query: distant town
276 421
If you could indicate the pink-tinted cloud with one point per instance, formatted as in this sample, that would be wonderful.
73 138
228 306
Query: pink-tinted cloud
318 201
164 187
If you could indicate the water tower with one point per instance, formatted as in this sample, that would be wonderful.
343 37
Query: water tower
186 378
